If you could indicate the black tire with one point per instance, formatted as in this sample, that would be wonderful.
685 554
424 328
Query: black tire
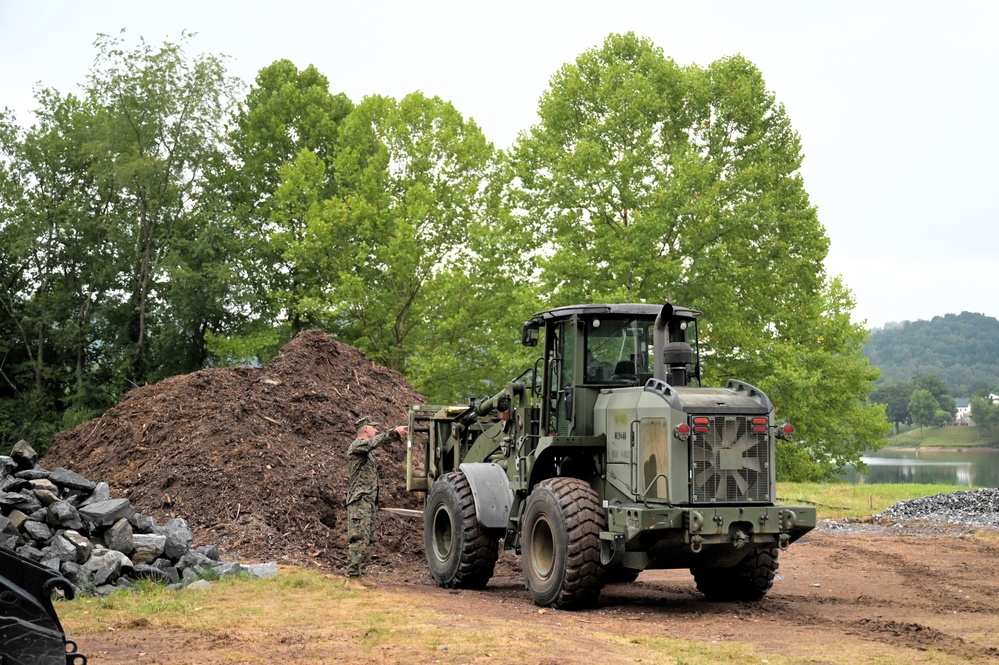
560 550
461 552
750 580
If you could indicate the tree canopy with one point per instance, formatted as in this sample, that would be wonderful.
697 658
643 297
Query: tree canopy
924 408
160 223
985 412
652 182
105 255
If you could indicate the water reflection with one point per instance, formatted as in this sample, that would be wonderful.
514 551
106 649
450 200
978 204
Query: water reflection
978 468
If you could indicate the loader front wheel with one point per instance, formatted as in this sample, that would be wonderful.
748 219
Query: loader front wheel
750 580
561 544
461 553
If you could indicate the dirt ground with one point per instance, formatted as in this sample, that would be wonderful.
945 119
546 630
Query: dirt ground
845 593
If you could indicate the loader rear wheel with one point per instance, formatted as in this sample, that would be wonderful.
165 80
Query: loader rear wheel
561 544
460 551
750 580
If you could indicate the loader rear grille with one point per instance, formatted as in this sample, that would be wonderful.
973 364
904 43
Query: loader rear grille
730 464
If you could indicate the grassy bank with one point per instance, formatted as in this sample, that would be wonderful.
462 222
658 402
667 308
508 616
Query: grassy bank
839 500
944 437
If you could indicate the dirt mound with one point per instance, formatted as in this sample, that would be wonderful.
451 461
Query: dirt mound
255 459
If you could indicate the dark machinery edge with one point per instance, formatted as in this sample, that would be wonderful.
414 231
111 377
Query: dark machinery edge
30 632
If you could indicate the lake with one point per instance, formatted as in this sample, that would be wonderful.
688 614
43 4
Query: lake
967 466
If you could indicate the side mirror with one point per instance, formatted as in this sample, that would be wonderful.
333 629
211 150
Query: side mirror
529 336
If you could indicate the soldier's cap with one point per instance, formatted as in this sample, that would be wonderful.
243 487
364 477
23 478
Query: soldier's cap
366 420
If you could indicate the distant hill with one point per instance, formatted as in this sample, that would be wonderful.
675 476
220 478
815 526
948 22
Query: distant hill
962 349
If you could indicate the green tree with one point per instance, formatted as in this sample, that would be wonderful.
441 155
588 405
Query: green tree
938 388
984 412
411 178
924 409
159 118
283 146
104 273
895 396
473 347
650 181
53 277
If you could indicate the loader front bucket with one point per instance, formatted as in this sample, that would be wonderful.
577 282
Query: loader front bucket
30 633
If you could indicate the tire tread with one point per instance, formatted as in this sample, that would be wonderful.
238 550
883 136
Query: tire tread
584 520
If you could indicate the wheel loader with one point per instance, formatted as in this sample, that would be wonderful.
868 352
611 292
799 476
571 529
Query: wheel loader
606 458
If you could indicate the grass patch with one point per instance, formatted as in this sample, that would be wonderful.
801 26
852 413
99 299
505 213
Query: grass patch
305 616
841 500
945 437
684 652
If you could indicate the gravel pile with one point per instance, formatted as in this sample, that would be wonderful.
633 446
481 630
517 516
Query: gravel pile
970 508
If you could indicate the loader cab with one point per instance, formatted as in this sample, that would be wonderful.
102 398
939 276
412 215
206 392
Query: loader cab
589 348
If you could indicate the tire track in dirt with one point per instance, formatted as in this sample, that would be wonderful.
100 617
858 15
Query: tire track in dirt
918 636
916 591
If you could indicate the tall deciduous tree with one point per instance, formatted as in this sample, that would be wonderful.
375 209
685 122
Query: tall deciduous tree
652 182
923 408
283 146
938 388
101 245
411 177
895 396
985 412
159 118
54 277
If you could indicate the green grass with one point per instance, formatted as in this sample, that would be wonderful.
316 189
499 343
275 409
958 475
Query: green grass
841 500
945 437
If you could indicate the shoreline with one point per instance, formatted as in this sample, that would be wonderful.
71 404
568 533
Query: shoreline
957 449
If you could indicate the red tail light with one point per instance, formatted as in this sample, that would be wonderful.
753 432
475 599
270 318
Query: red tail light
702 425
682 431
760 425
785 431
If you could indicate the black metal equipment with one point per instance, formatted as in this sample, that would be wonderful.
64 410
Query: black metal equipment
30 632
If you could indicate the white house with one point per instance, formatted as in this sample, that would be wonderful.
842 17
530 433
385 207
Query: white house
963 415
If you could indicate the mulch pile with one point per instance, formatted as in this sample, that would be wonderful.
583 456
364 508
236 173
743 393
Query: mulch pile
254 458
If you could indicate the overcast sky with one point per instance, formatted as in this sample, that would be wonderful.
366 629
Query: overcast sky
895 102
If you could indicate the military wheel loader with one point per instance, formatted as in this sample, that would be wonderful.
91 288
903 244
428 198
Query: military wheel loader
603 460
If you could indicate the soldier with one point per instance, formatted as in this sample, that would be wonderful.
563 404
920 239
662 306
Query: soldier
362 495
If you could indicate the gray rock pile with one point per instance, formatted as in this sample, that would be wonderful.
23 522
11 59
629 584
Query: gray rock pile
970 508
72 525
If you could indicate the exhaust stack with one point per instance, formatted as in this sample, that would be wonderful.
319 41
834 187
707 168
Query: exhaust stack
671 358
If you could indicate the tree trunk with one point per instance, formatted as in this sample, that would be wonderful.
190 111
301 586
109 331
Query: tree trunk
148 228
40 361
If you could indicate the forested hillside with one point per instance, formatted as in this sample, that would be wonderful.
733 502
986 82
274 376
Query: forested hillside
962 349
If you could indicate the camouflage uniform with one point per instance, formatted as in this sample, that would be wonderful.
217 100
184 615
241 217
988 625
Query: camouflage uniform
362 499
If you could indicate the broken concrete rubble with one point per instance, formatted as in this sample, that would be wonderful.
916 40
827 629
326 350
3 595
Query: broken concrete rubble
100 544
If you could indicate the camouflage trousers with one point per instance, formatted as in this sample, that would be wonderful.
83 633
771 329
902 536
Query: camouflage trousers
362 519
